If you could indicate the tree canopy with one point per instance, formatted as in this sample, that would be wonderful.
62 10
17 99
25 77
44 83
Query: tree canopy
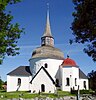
92 80
84 25
9 33
1 83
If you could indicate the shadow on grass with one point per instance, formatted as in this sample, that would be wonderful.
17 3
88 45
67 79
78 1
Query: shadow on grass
2 91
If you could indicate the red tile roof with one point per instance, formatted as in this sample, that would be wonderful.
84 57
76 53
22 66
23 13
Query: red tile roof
69 62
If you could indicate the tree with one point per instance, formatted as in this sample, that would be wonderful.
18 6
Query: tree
5 83
9 33
1 83
92 80
84 25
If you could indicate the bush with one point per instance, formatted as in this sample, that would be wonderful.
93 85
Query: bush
93 92
84 92
74 92
81 92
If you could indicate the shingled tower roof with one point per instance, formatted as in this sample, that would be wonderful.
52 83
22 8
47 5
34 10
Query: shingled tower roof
47 31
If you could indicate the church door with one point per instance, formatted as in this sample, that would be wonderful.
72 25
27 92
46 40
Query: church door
42 88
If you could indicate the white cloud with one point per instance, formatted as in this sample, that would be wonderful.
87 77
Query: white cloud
28 46
26 50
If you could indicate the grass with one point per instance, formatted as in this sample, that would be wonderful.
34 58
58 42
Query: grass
26 94
64 93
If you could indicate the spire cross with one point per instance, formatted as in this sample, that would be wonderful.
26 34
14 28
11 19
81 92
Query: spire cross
67 56
48 6
48 10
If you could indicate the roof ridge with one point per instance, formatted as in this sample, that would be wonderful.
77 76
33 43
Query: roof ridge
45 72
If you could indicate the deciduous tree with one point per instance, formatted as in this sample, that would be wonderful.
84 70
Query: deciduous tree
1 83
84 25
92 80
9 33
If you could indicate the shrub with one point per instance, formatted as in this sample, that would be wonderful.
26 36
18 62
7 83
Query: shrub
84 92
74 92
81 92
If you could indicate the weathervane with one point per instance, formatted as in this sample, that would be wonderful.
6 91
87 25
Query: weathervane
48 8
47 5
67 56
48 11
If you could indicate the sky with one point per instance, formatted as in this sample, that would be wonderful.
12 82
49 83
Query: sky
31 15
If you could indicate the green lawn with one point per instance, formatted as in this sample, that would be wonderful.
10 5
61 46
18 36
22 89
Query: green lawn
25 94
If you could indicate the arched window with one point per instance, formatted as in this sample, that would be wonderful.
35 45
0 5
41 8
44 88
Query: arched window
84 83
43 41
57 83
46 65
19 81
67 82
42 88
75 81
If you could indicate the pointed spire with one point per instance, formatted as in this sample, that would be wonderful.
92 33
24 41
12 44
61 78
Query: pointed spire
47 28
47 38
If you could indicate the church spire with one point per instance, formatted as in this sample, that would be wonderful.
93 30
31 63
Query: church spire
47 28
47 38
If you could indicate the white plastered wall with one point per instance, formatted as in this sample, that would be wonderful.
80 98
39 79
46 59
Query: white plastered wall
12 83
53 65
71 73
42 78
81 84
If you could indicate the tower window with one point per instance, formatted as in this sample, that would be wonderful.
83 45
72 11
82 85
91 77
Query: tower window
67 82
75 81
48 41
46 65
19 81
43 41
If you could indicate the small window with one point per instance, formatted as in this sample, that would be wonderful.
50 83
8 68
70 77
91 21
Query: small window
67 82
57 83
48 41
75 81
19 81
84 84
46 65
43 41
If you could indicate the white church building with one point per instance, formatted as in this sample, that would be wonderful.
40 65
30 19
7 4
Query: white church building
48 70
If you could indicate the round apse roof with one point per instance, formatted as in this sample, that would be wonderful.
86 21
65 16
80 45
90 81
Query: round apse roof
47 52
69 62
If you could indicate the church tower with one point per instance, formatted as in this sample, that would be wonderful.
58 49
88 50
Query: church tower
47 38
46 55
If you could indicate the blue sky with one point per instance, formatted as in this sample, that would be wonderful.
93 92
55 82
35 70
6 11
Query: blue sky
31 15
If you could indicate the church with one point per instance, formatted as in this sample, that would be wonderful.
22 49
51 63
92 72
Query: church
48 70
